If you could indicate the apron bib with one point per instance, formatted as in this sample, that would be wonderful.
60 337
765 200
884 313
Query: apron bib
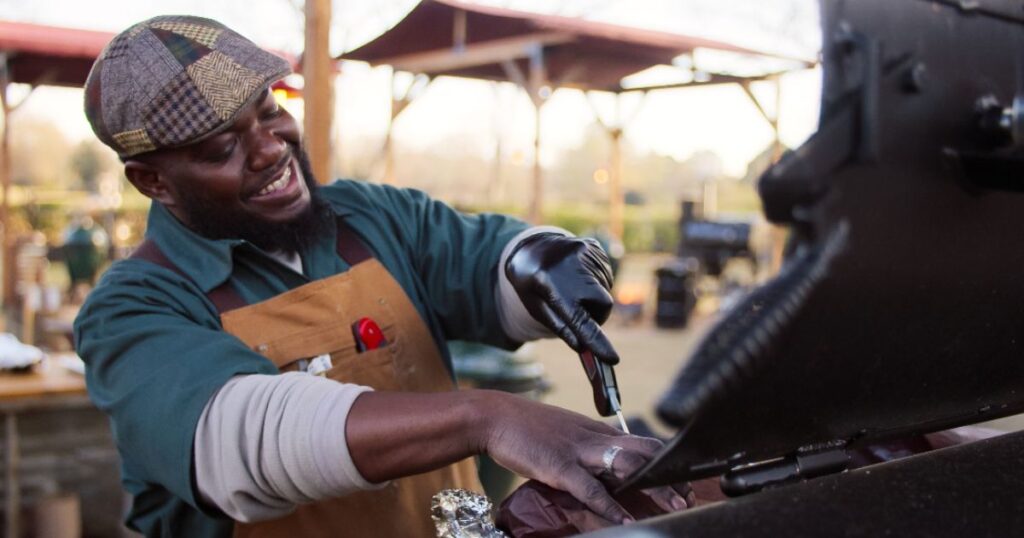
317 319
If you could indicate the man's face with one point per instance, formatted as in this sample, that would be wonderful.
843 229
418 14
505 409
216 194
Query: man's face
250 181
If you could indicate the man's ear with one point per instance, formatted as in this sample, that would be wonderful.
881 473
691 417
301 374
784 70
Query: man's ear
148 180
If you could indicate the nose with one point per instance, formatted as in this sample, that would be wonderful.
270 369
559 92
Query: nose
266 149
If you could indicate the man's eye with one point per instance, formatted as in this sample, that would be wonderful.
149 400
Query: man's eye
273 113
220 155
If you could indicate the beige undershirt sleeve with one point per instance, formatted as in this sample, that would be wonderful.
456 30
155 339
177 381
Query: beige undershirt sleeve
266 443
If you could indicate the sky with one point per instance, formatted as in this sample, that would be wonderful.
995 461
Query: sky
676 122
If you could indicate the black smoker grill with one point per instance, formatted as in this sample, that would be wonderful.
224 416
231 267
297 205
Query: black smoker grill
900 308
705 247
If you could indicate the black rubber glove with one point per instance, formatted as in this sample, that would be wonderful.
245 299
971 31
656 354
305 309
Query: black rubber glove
565 283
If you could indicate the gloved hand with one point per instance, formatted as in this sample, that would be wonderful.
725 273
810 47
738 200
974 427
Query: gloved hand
565 283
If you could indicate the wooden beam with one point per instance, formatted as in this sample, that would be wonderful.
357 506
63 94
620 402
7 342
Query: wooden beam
516 75
318 92
714 80
777 154
475 54
760 108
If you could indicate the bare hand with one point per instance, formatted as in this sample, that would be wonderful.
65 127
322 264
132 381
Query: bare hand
565 450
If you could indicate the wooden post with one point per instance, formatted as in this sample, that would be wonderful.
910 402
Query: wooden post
537 80
389 136
536 212
494 191
12 460
616 131
6 239
318 92
459 31
779 234
398 105
534 85
616 201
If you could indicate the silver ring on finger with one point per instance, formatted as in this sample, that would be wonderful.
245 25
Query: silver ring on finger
608 458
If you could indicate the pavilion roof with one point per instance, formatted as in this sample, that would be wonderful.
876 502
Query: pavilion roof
50 55
38 54
456 38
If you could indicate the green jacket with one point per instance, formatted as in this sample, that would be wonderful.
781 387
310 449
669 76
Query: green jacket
155 352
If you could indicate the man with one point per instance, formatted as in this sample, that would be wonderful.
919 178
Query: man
272 357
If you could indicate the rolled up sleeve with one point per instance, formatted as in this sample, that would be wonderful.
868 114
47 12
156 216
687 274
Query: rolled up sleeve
266 444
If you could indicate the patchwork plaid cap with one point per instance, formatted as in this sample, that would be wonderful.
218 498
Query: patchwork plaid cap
172 81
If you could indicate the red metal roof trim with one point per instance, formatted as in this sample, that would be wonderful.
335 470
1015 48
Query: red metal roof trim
585 27
51 40
419 31
52 55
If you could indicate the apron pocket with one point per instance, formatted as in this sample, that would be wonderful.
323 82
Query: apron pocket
374 368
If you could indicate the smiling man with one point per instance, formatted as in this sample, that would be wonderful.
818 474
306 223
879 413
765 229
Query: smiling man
221 192
272 356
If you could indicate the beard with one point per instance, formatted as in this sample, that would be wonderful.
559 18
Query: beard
217 222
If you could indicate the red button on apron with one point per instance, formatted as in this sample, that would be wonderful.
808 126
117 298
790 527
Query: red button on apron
368 334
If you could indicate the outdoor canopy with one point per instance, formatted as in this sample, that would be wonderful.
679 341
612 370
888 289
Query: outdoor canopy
541 53
448 37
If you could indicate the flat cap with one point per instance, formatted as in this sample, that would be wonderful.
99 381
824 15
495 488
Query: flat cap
172 81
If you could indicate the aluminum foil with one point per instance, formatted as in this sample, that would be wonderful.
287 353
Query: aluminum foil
458 513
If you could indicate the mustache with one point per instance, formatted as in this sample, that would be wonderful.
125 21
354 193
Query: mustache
274 171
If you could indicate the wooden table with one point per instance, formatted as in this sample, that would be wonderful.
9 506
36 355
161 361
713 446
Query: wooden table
49 386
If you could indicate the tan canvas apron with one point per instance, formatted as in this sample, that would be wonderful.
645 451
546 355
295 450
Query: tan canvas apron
317 318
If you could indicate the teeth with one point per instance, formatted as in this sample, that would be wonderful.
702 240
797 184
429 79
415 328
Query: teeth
277 184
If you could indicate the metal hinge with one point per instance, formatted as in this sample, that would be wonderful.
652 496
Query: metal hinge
807 463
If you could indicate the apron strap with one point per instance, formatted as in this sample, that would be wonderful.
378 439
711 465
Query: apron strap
350 247
224 297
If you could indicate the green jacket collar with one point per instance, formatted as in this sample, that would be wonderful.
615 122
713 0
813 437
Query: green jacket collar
210 262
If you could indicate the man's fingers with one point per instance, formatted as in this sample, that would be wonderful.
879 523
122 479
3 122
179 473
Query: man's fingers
587 333
635 453
602 428
589 491
667 499
565 333
553 321
646 446
632 454
626 463
592 337
598 262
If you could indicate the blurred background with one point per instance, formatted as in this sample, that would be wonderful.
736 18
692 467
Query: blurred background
643 123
